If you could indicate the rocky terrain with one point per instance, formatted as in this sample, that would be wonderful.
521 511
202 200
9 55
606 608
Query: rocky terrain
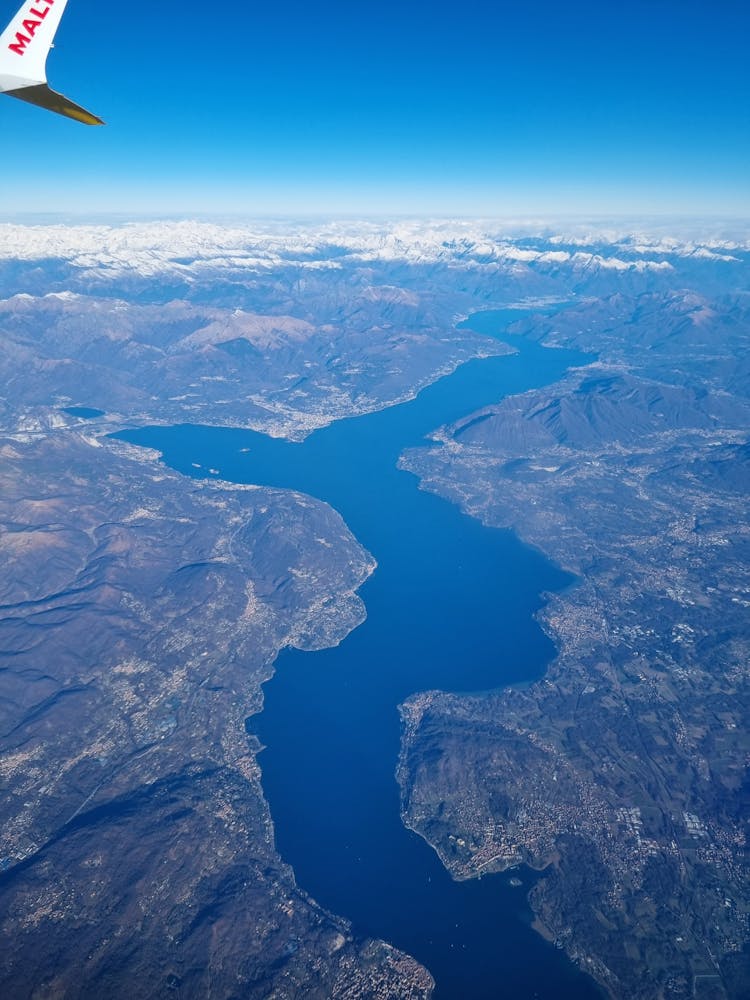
622 774
178 362
140 612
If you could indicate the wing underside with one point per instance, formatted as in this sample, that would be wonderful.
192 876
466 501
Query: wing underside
44 97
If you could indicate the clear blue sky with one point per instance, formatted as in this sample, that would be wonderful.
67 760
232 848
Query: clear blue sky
477 108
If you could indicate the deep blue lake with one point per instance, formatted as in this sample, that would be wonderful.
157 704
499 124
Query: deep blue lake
451 606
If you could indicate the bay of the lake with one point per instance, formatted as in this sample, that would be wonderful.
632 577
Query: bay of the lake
451 606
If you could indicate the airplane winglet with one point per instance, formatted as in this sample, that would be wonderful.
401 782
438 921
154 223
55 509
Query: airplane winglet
44 97
24 47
